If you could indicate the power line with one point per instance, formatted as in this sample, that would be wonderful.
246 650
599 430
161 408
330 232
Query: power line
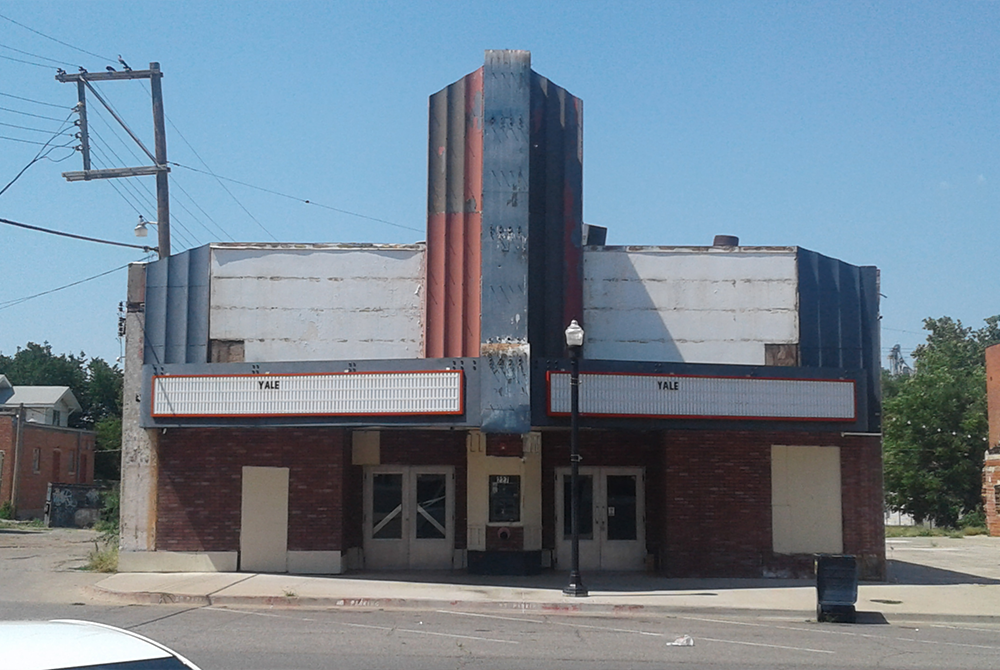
27 53
37 116
17 139
18 301
65 44
302 200
34 130
38 155
37 102
135 189
74 236
26 62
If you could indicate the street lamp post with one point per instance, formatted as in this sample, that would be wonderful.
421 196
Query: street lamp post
574 344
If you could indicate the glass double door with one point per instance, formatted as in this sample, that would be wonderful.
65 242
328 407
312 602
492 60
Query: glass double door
612 518
409 518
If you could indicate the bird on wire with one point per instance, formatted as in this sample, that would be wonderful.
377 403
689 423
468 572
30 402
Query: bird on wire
124 64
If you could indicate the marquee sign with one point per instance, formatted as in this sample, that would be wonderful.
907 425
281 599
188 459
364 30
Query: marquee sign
692 397
319 394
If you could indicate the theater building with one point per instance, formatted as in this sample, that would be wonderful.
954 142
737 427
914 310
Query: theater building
331 407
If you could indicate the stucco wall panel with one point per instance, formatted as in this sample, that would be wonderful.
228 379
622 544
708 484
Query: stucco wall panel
696 305
319 303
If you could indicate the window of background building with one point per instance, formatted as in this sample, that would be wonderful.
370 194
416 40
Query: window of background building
72 463
56 417
505 498
36 461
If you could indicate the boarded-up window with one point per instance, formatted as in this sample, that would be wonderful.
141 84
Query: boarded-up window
225 351
786 355
805 500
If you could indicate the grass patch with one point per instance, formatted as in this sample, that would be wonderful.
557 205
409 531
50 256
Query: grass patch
104 557
922 531
32 524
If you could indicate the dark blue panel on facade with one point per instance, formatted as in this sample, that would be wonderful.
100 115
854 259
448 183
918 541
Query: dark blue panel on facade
556 216
838 321
504 324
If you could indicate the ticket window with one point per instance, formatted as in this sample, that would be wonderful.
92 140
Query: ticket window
505 499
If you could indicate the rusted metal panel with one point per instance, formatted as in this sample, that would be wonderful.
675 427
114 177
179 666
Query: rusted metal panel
454 218
505 166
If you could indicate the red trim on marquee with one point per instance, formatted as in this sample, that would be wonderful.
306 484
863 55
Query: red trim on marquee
550 412
461 394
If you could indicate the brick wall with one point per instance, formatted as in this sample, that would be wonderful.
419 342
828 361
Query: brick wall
7 447
68 443
200 485
708 497
991 491
991 468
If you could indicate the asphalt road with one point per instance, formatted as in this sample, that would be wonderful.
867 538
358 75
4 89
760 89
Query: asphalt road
39 579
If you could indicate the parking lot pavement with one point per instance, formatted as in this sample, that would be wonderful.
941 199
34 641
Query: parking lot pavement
46 564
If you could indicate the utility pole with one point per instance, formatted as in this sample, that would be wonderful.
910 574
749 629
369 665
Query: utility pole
160 146
15 485
159 167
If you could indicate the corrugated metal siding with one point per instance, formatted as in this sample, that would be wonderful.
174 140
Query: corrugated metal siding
454 218
556 216
838 320
177 295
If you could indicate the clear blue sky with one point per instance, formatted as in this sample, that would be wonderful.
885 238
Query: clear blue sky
866 131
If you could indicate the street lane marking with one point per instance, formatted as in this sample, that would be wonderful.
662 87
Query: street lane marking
388 629
427 632
553 623
770 646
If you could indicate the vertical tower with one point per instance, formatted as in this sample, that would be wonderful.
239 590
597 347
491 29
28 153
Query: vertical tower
504 224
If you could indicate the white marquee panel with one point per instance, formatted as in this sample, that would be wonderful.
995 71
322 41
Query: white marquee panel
438 392
694 397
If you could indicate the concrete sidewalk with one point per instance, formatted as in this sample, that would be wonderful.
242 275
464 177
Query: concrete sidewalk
921 586
645 595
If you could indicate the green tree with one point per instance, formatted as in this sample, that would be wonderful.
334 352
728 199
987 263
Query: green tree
96 385
935 426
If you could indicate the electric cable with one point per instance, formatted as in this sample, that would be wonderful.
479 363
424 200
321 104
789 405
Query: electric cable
49 37
26 62
37 102
28 53
75 236
17 301
34 130
184 233
38 155
37 116
293 197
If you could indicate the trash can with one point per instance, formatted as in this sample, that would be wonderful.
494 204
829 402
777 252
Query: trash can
836 587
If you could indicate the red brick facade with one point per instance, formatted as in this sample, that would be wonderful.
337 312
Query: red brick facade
63 456
991 466
708 497
200 483
708 493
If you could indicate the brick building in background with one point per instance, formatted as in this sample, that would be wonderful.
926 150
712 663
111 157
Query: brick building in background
991 464
33 435
321 408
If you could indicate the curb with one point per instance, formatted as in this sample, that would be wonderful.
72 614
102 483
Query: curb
505 606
